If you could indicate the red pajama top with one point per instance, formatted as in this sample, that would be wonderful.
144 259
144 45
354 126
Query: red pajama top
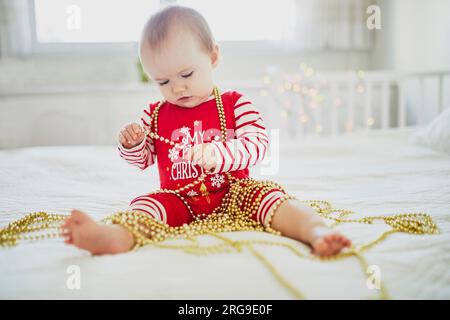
246 144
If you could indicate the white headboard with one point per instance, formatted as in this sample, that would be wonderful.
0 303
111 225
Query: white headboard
342 102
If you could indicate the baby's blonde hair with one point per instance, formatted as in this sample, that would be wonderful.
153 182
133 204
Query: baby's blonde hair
161 23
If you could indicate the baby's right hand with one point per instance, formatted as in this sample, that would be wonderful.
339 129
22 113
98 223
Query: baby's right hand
131 135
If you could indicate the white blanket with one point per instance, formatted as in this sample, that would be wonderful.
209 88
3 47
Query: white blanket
373 174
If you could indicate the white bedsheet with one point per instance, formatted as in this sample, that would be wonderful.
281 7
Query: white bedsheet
373 174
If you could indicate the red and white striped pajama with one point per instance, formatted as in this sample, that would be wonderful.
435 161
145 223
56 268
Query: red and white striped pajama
246 145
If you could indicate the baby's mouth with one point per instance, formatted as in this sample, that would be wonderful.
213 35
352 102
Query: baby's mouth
184 99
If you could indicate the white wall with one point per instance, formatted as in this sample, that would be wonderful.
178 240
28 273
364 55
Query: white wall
91 116
415 38
422 30
240 65
415 35
76 98
84 98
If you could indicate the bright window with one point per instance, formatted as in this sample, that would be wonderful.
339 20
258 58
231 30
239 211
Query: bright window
91 20
96 21
248 19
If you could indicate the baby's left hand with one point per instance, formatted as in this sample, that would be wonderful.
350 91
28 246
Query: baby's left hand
203 154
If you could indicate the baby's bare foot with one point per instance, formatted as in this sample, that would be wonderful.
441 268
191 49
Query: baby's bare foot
328 242
83 232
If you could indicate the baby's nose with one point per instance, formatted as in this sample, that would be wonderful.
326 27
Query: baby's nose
179 90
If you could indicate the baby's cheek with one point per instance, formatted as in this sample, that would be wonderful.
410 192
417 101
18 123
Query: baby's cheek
166 93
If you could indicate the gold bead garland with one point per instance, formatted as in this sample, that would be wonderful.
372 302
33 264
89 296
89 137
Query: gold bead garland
415 223
154 135
32 222
234 214
147 230
267 185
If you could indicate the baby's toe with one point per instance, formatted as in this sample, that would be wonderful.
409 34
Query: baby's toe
333 243
342 240
347 242
331 239
79 216
74 235
68 240
66 233
321 247
67 222
71 234
65 227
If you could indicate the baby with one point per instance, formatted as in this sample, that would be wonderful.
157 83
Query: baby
178 52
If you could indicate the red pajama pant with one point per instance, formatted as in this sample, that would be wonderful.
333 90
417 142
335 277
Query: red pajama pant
170 209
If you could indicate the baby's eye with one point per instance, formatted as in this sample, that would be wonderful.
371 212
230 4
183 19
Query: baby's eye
188 75
163 83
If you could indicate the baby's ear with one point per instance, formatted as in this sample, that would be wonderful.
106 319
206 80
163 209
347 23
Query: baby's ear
215 54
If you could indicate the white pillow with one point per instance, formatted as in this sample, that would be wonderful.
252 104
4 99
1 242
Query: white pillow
435 135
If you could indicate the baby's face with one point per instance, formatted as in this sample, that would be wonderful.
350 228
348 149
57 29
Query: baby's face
181 69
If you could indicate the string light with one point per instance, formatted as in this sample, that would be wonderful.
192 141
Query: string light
319 128
360 74
312 92
296 88
370 121
337 102
360 88
309 72
297 78
305 91
349 125
304 118
263 93
288 85
319 98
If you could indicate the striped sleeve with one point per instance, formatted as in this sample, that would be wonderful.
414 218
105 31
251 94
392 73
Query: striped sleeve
144 154
250 144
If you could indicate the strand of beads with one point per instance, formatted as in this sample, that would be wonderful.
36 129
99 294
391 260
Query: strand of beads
154 135
234 214
31 223
150 231
414 223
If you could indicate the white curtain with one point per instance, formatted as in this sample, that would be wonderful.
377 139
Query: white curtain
15 28
332 24
321 25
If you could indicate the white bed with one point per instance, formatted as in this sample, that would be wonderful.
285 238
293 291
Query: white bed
373 174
